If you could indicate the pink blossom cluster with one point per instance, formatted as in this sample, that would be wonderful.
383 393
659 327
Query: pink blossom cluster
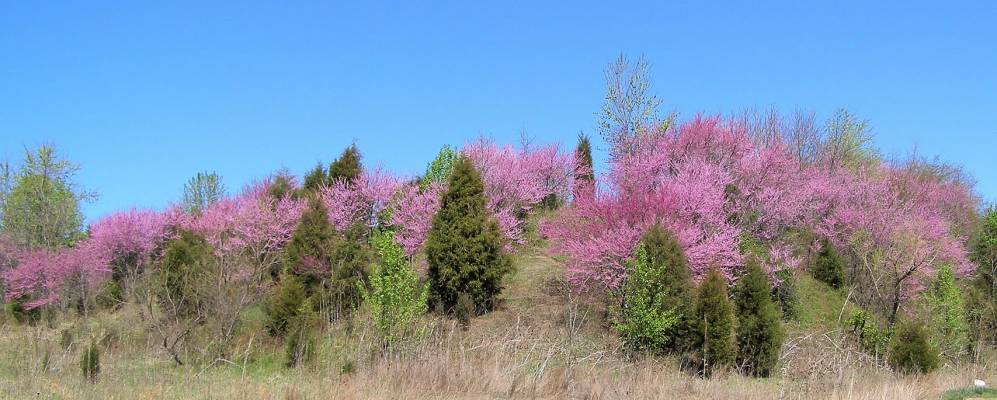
711 185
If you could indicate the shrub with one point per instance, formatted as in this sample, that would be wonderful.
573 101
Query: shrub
395 298
347 167
759 329
829 266
947 314
90 363
465 248
911 351
21 315
655 310
351 261
714 324
786 294
873 338
299 349
183 271
282 304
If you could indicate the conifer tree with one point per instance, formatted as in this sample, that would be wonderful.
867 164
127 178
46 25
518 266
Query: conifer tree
283 304
347 167
315 179
351 259
465 248
657 296
90 363
912 351
309 253
583 158
759 328
184 266
715 323
829 267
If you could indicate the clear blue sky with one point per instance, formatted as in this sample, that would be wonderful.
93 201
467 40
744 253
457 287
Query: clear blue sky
145 95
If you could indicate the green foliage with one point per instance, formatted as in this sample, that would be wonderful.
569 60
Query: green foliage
583 158
299 349
395 299
786 294
982 296
347 167
15 309
759 329
465 248
911 350
282 304
655 312
185 267
308 255
351 261
42 207
714 324
90 363
947 314
314 180
829 267
873 338
201 191
438 171
281 186
111 294
464 310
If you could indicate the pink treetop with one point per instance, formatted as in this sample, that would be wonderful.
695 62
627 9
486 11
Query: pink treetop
361 201
413 214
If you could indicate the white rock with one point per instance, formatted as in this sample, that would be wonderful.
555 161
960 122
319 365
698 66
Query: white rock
979 383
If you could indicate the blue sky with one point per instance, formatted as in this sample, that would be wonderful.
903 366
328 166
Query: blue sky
145 95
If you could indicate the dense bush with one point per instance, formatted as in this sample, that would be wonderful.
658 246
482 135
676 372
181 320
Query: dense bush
656 296
982 296
829 267
873 338
90 363
282 304
946 314
301 341
183 271
759 329
714 325
395 299
786 294
465 248
912 351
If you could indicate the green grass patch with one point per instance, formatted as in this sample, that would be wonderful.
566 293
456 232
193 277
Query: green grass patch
970 393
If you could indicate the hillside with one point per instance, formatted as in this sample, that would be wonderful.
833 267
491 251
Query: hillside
540 343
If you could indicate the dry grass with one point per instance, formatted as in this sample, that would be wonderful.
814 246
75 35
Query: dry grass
541 344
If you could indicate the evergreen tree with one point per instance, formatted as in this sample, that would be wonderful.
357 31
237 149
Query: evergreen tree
983 294
347 167
465 248
314 180
281 186
351 259
184 266
912 351
829 267
282 304
90 363
583 156
309 253
715 323
759 329
657 296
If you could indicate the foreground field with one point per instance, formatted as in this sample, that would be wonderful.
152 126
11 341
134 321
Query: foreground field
542 343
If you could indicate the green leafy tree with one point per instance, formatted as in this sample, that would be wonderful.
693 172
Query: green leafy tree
829 267
308 254
982 295
759 328
201 191
911 351
42 207
656 312
439 169
347 167
947 314
630 108
465 248
395 299
714 339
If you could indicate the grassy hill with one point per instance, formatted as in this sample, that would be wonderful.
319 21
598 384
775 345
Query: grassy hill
542 342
